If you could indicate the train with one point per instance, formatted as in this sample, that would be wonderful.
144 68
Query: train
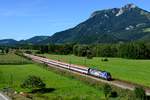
84 70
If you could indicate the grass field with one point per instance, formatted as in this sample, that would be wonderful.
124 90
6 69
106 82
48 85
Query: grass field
136 71
12 58
65 88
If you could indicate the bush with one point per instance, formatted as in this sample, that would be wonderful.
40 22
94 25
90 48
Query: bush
105 59
113 94
139 93
28 52
107 90
33 82
38 52
89 56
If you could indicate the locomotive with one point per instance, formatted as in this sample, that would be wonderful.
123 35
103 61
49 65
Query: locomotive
101 74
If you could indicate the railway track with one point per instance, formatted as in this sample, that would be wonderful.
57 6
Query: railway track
59 65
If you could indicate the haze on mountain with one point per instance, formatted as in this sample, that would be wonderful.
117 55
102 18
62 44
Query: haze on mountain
129 23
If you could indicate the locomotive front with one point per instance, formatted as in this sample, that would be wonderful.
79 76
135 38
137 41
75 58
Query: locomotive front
101 74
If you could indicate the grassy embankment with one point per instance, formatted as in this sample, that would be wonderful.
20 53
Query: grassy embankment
136 71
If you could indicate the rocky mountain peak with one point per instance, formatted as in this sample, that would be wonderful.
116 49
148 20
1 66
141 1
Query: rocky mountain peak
129 6
117 11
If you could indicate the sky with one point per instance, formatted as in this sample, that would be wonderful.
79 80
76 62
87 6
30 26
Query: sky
23 19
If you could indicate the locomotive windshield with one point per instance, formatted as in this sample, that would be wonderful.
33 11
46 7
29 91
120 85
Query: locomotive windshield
108 75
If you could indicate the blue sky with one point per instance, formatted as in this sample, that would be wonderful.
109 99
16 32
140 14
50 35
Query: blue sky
22 19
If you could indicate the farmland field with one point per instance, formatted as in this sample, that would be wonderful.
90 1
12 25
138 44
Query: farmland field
136 71
12 58
64 87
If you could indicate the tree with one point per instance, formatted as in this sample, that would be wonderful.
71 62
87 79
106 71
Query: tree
33 82
89 54
7 50
43 49
3 51
107 90
75 50
139 93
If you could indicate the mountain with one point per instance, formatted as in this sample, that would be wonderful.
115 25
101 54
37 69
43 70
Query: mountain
35 40
8 42
108 26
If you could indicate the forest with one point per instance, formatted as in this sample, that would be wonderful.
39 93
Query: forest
132 50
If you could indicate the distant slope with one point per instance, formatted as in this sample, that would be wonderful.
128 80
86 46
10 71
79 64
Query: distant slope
8 42
108 26
35 40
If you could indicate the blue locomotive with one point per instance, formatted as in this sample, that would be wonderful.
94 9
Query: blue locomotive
101 74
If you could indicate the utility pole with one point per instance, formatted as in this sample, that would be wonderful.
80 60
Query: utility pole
69 62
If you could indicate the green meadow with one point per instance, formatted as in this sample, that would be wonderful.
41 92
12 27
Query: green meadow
64 88
135 71
12 59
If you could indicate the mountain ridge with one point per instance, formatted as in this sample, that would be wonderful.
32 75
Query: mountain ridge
34 40
113 23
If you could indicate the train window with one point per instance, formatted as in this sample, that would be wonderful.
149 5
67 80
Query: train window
108 74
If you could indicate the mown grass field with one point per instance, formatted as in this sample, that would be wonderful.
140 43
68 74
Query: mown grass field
65 88
12 58
136 71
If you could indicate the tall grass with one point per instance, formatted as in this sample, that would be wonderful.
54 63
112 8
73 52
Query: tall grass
12 59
